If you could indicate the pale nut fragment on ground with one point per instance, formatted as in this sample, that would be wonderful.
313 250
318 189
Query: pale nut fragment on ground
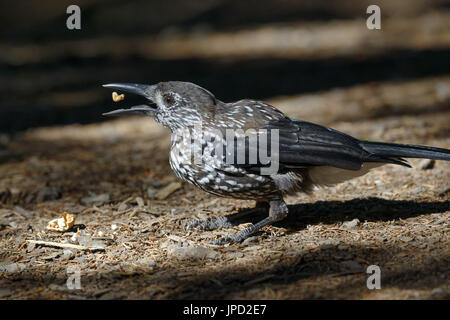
62 224
117 97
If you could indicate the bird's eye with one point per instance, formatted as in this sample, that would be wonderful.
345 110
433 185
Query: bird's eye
168 99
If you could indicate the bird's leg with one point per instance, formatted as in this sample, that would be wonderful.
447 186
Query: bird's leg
278 211
227 221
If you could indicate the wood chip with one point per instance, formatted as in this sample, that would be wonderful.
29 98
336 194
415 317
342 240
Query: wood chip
258 280
140 202
168 190
62 245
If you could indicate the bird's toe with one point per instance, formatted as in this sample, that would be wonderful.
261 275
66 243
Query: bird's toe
222 241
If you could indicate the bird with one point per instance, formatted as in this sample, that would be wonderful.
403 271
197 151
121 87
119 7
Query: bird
303 155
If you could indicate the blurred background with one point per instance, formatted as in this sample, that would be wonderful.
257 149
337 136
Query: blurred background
261 49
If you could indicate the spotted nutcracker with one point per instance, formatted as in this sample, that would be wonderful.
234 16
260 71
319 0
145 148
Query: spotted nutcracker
307 154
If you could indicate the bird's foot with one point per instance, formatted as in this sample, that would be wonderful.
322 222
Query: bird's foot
244 234
226 221
278 211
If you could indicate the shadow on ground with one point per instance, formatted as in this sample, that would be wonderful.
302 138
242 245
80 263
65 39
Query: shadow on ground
296 275
371 209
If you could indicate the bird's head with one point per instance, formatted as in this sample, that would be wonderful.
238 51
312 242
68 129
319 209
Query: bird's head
174 104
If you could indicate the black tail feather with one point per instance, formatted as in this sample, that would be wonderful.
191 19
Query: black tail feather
397 151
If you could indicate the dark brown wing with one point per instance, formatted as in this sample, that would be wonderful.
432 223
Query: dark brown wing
305 144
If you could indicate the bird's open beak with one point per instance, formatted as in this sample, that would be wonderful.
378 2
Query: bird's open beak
143 90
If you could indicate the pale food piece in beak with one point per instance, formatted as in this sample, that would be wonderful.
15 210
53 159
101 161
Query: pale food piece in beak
117 97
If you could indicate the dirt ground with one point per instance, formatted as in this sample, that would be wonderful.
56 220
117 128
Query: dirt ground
109 176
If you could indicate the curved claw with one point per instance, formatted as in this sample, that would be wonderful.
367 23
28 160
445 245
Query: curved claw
245 233
196 223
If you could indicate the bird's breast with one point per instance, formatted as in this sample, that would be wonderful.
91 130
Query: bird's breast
199 164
